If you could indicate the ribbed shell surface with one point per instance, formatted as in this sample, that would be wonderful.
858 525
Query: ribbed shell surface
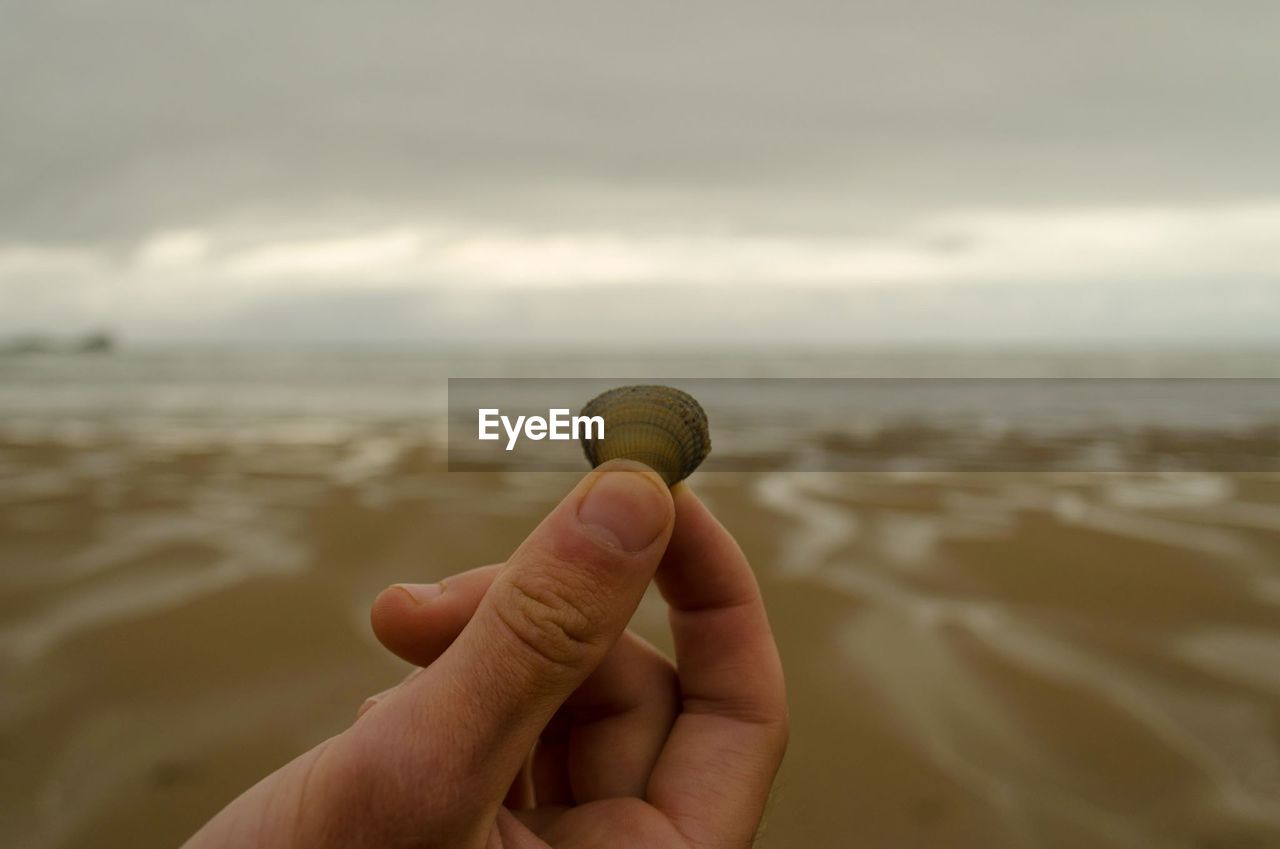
664 428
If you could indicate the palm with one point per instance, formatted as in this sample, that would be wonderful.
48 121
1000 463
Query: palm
588 774
608 822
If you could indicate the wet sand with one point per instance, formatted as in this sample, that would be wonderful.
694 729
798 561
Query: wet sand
1005 660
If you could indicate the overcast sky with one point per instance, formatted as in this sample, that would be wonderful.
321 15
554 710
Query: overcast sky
844 171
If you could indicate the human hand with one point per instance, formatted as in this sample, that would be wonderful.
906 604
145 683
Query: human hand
537 720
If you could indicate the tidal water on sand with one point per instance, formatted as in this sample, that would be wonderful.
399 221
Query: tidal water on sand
189 542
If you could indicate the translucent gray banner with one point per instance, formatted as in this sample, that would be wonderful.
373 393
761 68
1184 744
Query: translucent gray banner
895 424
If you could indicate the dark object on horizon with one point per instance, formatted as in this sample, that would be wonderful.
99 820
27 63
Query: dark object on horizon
94 342
97 342
662 427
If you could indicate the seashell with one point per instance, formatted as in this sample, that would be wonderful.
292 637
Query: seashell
664 428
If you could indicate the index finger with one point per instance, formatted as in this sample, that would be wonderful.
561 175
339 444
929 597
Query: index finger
714 775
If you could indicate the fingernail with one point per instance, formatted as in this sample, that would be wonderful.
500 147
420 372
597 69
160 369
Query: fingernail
626 506
420 593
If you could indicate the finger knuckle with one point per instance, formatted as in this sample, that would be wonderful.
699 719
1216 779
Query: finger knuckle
781 736
775 720
554 622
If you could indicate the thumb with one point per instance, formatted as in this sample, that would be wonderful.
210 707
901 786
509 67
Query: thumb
549 618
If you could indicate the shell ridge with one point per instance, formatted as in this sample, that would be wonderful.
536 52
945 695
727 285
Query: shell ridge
663 427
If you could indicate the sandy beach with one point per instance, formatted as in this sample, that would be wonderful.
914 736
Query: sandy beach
1005 660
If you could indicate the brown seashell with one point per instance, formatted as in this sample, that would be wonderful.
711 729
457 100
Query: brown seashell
664 428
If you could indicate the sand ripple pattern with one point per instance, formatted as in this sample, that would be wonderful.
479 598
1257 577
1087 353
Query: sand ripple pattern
1040 661
1078 660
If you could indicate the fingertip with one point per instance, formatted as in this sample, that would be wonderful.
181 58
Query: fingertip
684 498
419 621
404 622
703 560
392 604
627 504
385 613
697 525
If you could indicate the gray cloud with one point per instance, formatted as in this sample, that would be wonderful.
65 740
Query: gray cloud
506 320
121 118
